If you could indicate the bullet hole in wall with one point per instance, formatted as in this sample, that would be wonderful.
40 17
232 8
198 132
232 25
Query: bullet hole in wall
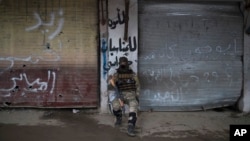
15 89
48 45
24 65
60 95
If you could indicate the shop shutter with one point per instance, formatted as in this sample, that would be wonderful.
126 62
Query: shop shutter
190 55
48 54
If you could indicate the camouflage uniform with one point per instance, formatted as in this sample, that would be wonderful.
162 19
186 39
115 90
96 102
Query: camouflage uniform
129 97
127 85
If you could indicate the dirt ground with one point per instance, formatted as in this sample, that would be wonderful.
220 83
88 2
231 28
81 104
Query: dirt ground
88 124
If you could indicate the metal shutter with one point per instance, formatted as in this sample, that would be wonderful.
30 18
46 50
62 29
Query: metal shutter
190 55
48 54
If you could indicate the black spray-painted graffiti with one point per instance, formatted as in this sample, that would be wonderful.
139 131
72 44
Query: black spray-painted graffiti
116 62
131 46
118 20
123 47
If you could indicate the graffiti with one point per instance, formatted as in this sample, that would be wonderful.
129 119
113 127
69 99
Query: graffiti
214 75
49 55
46 55
195 78
166 85
118 20
13 59
115 63
32 86
153 75
163 97
167 51
219 49
171 78
104 49
228 72
206 49
31 59
118 45
50 23
123 47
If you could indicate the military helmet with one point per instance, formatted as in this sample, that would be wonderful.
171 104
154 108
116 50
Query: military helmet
123 60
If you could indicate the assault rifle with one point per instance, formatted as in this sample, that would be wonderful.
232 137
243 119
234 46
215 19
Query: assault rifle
119 96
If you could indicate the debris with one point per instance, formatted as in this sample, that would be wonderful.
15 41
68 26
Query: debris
75 111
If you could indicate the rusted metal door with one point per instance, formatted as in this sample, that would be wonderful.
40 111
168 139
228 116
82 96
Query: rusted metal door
48 59
190 55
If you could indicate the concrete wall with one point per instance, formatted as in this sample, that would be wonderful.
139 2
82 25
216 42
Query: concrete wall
244 101
103 18
115 41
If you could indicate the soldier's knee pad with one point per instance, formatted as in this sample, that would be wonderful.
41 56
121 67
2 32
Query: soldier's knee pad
132 118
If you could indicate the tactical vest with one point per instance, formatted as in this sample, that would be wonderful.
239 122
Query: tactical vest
126 81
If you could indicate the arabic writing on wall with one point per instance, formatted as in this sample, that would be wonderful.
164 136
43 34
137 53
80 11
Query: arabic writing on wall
33 86
117 46
123 48
166 97
117 20
207 51
104 49
51 23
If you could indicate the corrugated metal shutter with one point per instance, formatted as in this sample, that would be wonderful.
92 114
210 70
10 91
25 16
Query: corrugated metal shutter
190 55
48 54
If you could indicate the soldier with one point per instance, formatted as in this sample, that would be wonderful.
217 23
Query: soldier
127 87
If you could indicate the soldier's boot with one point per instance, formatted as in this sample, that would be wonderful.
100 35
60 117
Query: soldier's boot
131 124
118 115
